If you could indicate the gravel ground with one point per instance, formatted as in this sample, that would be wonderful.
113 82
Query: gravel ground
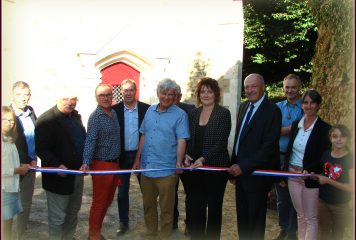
38 219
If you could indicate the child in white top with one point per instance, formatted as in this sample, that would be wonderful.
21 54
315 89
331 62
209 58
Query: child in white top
10 171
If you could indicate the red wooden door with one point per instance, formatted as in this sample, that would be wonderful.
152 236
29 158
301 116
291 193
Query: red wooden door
115 74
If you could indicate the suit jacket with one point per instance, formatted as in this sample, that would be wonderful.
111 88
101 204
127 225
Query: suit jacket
54 146
20 142
317 143
259 146
186 107
216 136
119 109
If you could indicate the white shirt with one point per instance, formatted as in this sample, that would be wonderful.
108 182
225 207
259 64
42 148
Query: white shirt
9 161
300 143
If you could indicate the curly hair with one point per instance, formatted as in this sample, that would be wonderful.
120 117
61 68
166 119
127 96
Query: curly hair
210 83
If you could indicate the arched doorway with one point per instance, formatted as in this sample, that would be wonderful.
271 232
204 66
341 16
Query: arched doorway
120 65
115 74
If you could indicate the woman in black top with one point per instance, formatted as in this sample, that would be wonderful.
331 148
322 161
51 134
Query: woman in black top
210 126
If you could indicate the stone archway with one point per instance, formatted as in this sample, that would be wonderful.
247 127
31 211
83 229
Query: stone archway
121 65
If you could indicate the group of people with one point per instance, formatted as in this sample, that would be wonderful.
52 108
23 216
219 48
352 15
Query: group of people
171 135
319 204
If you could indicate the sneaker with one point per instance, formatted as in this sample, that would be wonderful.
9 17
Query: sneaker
281 236
123 229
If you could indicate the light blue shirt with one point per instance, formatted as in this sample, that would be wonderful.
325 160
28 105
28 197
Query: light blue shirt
256 105
28 130
295 112
162 130
131 128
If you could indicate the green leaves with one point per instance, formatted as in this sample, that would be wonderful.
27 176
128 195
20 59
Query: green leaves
279 32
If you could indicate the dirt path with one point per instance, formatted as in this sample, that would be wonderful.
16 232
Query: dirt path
38 224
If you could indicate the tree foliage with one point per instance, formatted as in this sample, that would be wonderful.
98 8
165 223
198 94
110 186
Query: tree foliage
279 38
198 71
334 60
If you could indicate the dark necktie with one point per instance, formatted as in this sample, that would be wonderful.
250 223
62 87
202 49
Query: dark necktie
249 114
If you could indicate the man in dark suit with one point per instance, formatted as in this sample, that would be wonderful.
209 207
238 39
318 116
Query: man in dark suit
184 177
25 143
130 113
256 147
59 138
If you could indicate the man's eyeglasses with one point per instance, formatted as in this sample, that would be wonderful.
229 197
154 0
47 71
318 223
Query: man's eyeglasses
9 120
105 95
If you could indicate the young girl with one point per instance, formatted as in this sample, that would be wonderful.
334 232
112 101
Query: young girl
10 171
336 185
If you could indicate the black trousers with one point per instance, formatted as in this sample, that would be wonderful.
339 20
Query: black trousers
187 177
251 206
206 195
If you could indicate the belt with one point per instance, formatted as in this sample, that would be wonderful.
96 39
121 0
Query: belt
296 168
111 160
131 151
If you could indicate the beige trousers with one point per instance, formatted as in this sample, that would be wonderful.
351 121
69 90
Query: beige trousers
159 191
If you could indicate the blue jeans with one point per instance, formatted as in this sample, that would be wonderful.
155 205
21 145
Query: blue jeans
123 202
287 216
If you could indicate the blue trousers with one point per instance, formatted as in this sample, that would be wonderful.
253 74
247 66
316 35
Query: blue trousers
123 201
287 216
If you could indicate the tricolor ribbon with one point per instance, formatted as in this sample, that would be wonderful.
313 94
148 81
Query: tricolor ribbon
271 173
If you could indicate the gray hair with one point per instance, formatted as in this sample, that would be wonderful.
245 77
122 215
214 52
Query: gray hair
21 84
129 81
65 91
167 84
179 91
104 85
256 76
293 76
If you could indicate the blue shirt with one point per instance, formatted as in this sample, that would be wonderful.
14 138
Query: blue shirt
77 133
162 130
131 128
103 137
295 112
28 130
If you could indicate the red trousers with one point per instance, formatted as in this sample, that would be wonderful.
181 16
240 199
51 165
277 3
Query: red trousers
104 187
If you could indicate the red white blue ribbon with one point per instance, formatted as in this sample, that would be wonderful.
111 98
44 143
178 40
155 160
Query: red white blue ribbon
271 173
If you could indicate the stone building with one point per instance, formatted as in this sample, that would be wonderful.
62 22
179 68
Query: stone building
80 43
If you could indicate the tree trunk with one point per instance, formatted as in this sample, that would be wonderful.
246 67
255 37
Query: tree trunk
334 60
